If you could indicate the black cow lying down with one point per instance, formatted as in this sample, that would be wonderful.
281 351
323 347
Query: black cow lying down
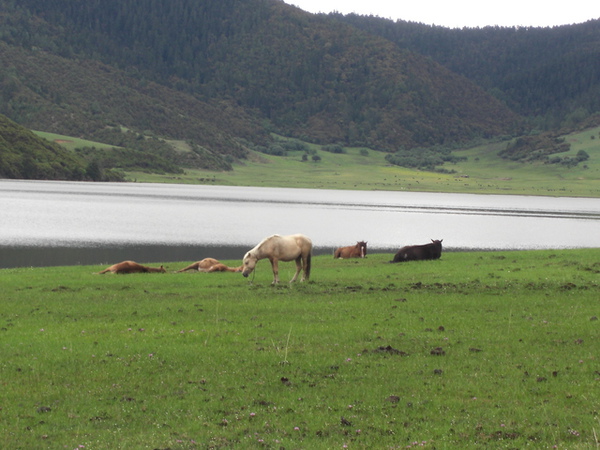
419 252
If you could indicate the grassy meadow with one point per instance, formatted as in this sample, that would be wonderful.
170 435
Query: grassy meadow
71 143
477 349
484 172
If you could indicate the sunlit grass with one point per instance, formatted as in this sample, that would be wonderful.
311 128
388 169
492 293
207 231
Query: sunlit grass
477 349
70 142
483 172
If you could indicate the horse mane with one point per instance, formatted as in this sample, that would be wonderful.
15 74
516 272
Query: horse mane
265 240
253 252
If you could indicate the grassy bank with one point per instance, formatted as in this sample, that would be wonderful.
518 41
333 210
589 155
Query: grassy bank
495 349
483 172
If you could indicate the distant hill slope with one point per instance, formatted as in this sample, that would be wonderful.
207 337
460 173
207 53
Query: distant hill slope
212 71
550 73
23 155
81 98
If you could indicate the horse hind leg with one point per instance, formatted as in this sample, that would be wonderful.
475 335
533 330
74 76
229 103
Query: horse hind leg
306 266
298 269
194 266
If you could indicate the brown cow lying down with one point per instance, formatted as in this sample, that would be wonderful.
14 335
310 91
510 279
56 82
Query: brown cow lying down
210 265
132 267
419 252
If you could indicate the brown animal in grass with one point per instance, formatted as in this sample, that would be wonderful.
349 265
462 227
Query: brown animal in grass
353 251
132 267
209 265
419 252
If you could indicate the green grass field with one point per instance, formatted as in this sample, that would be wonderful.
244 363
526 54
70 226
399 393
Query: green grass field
483 172
71 143
481 349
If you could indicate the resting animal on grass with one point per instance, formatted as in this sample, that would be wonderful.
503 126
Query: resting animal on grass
209 265
353 251
419 252
132 267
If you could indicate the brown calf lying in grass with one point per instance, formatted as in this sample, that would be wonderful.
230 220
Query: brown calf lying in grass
131 267
210 265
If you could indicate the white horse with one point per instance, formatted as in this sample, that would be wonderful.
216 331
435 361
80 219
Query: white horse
296 247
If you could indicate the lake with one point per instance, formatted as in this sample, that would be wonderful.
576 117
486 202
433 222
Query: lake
62 223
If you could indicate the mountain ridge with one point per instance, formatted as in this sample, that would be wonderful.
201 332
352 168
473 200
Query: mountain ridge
304 74
224 75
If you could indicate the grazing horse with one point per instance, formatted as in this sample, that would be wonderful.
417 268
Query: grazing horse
419 252
353 251
132 267
296 247
210 265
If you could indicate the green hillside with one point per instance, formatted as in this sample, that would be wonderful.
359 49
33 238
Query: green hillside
201 87
89 99
24 155
548 74
217 72
482 172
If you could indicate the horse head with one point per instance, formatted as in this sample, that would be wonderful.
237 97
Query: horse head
363 248
248 264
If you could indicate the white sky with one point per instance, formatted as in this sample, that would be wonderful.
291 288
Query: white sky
464 13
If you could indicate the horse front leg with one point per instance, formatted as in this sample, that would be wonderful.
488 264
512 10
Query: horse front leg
275 266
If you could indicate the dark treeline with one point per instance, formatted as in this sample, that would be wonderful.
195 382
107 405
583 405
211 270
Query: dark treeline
551 74
163 39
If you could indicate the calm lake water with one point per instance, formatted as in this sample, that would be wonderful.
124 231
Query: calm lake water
62 223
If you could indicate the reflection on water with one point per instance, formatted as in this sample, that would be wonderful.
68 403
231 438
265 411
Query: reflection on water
88 223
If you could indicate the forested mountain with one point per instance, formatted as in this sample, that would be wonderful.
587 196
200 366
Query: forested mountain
549 74
221 75
303 75
85 97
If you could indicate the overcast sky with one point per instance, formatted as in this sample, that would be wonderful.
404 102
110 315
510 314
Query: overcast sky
464 13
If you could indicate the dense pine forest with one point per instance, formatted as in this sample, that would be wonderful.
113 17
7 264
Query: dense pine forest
551 75
222 76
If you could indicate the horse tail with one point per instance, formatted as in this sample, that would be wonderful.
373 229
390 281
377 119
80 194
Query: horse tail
308 261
